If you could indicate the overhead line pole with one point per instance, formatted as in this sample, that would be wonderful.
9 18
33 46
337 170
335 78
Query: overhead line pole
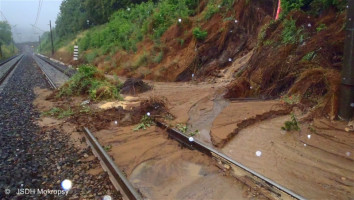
346 101
0 50
39 41
51 36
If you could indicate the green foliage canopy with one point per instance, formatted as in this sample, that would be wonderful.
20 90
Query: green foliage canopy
5 33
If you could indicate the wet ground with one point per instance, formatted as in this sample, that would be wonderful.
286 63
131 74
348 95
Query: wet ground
319 166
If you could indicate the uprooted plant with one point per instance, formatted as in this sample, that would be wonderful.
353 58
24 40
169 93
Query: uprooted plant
145 122
89 81
291 125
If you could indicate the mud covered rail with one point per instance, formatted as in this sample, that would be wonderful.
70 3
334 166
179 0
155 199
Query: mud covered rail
116 176
251 178
118 179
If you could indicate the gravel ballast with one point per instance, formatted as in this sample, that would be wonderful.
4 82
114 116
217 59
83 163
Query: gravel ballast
35 161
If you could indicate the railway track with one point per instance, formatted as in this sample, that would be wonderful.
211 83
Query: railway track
267 187
7 66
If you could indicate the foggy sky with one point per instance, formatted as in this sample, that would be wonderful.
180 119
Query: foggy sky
22 13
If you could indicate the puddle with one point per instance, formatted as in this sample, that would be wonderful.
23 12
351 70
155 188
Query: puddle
183 180
202 115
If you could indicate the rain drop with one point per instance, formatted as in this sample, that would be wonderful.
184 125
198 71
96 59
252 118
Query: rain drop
352 105
107 197
309 136
148 114
191 139
230 59
179 20
192 75
305 145
309 25
258 153
66 184
236 21
116 122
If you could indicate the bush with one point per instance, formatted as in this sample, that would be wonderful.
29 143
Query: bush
199 33
211 9
89 81
321 27
291 34
291 125
58 113
159 57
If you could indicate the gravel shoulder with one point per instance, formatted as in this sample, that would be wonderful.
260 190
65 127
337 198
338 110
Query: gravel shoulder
34 158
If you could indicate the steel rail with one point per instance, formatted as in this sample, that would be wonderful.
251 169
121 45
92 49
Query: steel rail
66 72
50 82
2 78
116 176
243 173
119 180
7 60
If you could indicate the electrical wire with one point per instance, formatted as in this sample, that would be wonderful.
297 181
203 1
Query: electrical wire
40 2
3 16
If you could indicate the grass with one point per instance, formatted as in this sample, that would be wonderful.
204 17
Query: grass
89 81
199 33
291 100
145 122
211 9
268 42
182 127
309 56
158 58
107 148
290 33
321 27
194 133
58 113
292 124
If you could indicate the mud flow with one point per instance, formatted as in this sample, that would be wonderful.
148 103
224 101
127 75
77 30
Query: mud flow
160 169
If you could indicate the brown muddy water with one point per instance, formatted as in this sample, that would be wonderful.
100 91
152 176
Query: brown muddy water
160 169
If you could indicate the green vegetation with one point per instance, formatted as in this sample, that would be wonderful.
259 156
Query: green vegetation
89 81
291 34
126 23
145 122
107 148
211 9
194 133
321 27
127 27
291 100
182 127
309 56
158 57
316 6
312 129
199 33
268 42
6 40
292 124
58 113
